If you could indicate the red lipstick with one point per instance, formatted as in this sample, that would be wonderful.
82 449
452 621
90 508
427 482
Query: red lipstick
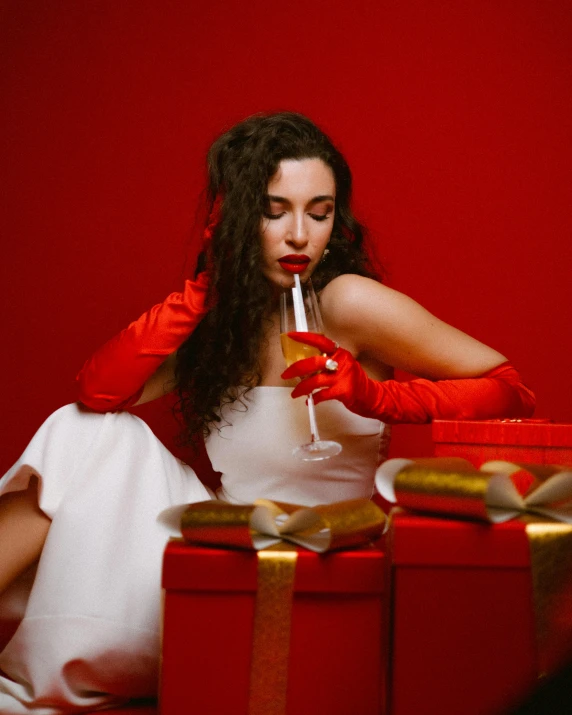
294 262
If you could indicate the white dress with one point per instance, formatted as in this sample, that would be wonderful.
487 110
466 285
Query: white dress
90 636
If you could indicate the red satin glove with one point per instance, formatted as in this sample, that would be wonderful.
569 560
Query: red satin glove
497 393
114 377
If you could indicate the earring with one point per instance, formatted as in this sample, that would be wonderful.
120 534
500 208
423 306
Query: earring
324 255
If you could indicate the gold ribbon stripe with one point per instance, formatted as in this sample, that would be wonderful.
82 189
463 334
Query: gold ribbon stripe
551 561
271 636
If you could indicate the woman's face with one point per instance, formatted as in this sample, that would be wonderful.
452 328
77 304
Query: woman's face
298 221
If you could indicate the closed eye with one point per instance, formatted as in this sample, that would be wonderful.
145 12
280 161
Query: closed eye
273 217
319 217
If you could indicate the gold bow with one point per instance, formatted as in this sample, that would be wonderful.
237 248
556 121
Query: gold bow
266 523
265 526
452 487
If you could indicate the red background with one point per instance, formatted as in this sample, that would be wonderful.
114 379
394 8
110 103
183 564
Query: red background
455 116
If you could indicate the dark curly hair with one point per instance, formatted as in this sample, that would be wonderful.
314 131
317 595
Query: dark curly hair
221 357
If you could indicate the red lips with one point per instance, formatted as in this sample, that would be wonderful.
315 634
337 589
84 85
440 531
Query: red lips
294 262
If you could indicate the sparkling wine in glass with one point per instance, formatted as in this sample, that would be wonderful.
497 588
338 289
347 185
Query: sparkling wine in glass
299 311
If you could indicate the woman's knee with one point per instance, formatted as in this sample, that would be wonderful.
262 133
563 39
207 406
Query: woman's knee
23 530
80 425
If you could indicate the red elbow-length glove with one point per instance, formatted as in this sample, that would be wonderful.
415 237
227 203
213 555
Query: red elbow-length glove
114 377
497 393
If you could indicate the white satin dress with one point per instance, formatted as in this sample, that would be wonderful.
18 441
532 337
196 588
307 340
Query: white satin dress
90 634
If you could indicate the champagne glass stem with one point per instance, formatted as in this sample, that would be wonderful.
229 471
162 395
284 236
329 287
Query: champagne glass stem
313 421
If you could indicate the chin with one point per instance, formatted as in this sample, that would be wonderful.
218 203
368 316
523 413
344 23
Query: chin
282 279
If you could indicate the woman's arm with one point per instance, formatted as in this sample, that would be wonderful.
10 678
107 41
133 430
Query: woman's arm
384 328
161 382
137 365
379 324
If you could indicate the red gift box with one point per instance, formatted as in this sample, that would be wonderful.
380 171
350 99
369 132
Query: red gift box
528 441
338 631
463 638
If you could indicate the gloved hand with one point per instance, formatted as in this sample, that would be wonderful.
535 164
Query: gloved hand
114 377
338 376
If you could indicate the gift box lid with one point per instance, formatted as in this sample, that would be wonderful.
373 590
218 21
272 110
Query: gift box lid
196 568
415 540
531 433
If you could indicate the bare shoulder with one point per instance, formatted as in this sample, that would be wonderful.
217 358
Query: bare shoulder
349 291
351 303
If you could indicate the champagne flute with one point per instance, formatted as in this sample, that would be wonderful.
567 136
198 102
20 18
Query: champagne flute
299 311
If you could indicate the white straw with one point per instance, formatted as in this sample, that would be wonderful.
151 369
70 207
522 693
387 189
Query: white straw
299 312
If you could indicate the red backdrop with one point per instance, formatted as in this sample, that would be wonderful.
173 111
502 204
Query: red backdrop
455 116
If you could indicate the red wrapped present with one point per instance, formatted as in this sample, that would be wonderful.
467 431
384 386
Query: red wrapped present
223 640
473 624
463 630
529 441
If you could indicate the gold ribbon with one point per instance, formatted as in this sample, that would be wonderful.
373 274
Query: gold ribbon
265 526
271 631
551 563
452 487
265 523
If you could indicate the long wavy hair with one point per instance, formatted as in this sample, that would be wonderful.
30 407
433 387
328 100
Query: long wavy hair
219 362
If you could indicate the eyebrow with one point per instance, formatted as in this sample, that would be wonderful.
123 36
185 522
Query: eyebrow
315 200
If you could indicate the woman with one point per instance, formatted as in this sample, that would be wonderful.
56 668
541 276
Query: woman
87 491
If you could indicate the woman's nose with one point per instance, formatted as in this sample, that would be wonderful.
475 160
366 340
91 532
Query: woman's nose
298 234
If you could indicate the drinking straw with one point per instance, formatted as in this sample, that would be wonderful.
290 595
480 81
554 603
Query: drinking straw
298 300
